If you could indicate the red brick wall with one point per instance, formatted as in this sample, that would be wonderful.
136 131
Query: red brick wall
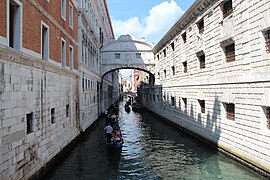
31 27
32 18
3 16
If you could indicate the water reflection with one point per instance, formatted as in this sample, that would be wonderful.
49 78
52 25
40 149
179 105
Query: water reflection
153 149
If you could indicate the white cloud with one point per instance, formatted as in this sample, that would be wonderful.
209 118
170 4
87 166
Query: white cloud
159 20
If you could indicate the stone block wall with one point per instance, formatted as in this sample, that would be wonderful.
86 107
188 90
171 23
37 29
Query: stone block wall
30 88
242 83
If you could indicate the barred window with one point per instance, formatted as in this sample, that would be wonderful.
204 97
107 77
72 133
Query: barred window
200 26
230 52
172 45
266 35
172 101
173 70
230 111
138 55
185 66
184 37
117 55
165 73
227 8
267 114
202 105
202 61
164 52
185 103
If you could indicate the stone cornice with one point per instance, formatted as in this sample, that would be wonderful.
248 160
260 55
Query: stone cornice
14 56
189 16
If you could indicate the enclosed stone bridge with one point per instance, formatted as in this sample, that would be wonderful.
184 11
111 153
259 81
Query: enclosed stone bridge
126 53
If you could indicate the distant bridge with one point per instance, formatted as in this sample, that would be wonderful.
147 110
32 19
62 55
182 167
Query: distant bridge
126 53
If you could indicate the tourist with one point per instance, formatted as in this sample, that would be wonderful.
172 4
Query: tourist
108 130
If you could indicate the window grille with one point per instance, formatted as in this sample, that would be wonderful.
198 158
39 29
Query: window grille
172 45
202 105
184 37
138 55
185 103
201 26
117 55
230 110
230 53
227 8
173 70
268 117
202 61
185 66
267 40
164 52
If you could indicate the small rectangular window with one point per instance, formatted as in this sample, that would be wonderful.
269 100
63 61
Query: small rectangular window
184 66
266 110
172 101
30 123
266 35
202 105
172 45
230 111
165 73
117 55
185 103
200 26
164 52
158 56
63 9
52 115
227 8
70 15
67 110
138 55
230 53
173 70
202 61
184 37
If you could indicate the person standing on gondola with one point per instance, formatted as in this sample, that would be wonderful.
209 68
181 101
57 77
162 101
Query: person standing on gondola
108 130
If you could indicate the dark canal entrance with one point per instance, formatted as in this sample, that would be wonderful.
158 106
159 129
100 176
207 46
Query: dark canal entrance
153 149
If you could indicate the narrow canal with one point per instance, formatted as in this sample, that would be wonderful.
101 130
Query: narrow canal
153 149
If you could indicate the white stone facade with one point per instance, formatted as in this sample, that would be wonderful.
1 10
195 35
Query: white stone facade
30 89
214 76
94 30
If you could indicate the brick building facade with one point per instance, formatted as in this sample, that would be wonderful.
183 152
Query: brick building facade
38 83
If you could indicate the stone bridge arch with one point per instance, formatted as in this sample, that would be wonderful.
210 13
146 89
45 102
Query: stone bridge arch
126 53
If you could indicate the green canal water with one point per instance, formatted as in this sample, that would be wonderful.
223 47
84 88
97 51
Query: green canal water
153 149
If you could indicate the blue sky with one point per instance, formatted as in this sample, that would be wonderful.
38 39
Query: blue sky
150 19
